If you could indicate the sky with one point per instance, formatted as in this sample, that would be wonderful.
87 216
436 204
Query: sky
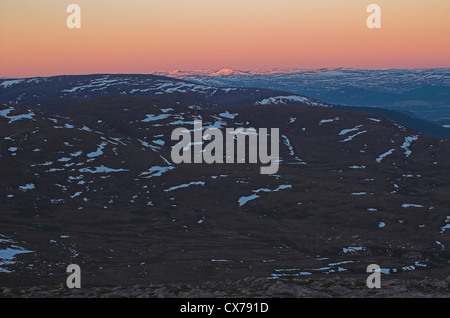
144 36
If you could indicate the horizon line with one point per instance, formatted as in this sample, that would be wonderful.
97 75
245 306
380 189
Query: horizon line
249 71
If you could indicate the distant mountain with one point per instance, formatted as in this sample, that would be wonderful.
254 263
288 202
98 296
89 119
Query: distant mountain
423 92
232 72
228 72
405 79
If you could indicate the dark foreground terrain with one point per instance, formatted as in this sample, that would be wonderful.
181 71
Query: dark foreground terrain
320 286
94 185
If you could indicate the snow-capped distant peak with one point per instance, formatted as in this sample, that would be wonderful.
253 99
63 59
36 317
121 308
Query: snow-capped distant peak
228 72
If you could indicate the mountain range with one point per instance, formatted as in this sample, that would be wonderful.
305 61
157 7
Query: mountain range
209 91
87 178
423 93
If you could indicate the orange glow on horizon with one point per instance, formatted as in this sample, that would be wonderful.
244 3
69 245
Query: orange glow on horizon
142 36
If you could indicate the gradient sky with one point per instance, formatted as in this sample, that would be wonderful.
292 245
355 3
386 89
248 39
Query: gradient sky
142 36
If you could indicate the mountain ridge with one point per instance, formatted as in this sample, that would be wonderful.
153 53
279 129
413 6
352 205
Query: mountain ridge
61 92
